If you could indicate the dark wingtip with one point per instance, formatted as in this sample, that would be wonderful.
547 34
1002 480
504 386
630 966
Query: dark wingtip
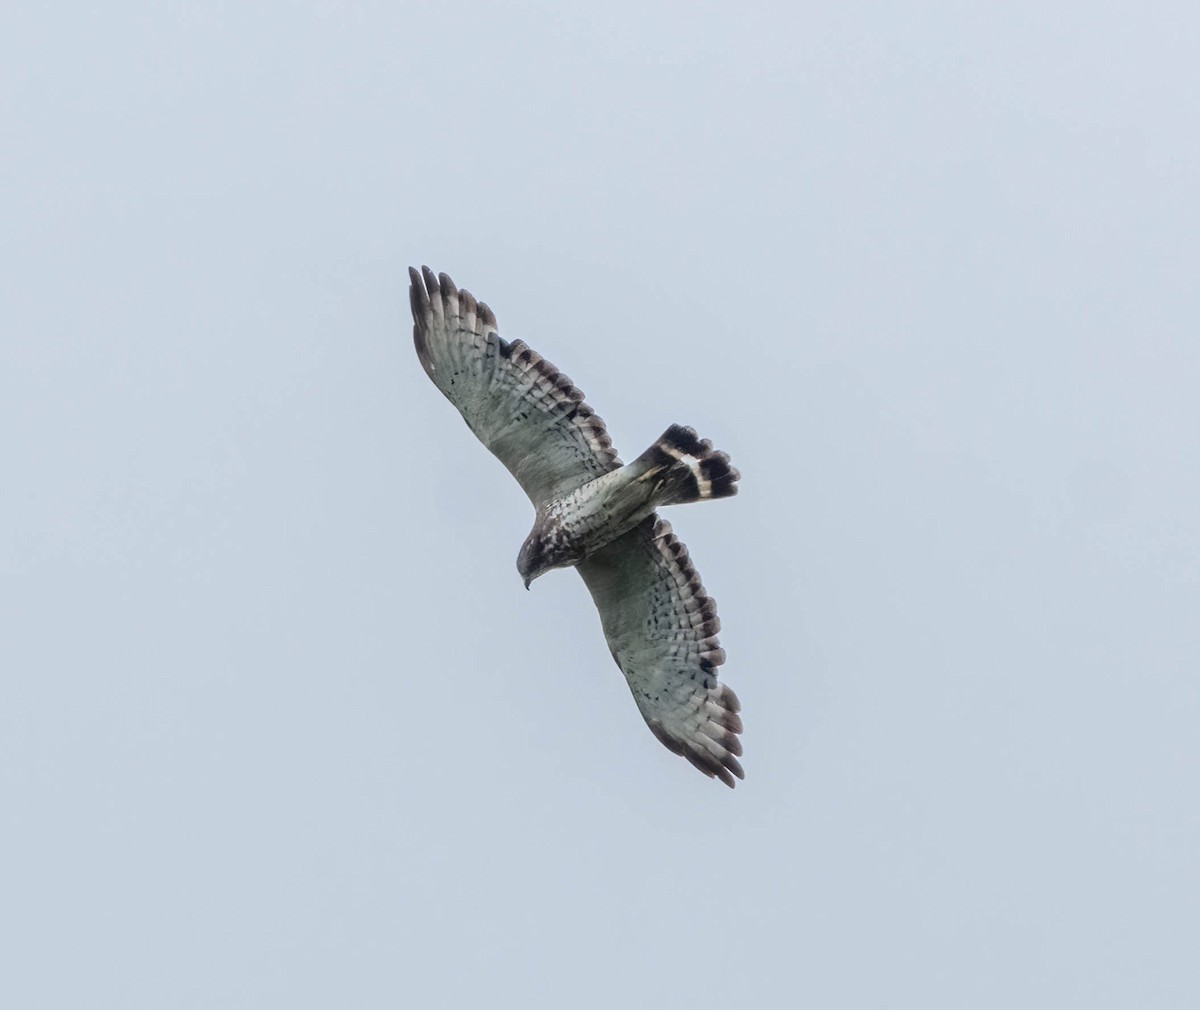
436 305
418 297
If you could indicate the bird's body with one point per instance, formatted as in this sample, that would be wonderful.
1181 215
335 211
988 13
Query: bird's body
575 525
597 515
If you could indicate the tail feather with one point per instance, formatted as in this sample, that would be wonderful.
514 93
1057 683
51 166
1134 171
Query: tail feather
687 468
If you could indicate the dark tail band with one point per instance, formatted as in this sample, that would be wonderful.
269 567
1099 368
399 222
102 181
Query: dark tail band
688 468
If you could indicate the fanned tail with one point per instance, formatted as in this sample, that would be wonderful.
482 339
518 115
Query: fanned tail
687 468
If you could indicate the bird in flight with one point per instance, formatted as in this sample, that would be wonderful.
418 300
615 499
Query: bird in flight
597 515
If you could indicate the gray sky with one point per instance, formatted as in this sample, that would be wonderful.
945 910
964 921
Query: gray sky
279 726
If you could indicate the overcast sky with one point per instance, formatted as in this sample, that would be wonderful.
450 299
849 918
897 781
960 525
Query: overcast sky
280 727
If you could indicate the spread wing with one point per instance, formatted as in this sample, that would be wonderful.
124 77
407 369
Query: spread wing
662 629
518 404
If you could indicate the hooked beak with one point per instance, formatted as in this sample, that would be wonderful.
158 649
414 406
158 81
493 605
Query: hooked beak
527 581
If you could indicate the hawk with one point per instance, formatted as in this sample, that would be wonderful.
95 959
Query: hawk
597 515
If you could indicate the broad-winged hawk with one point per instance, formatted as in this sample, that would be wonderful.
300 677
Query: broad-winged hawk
597 515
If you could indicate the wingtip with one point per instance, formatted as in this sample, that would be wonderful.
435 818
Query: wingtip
418 296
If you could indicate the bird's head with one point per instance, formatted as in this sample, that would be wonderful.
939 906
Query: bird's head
532 560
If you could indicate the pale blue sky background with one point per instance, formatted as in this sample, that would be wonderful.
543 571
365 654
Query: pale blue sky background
279 726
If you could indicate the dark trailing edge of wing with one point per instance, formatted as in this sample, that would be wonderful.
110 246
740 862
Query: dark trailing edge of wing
724 724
